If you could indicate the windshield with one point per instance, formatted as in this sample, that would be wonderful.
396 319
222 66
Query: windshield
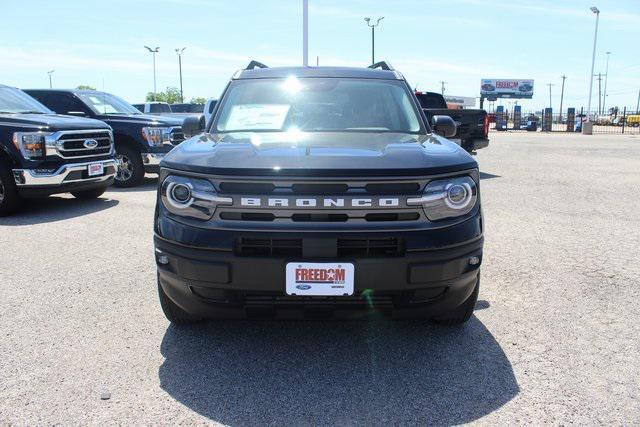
14 100
105 103
318 104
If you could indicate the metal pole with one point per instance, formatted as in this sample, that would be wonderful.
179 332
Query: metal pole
624 118
305 33
550 104
563 77
50 81
154 77
606 79
599 93
180 67
442 87
593 60
373 45
638 103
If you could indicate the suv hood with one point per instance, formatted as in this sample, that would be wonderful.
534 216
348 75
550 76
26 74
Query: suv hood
142 119
50 122
318 154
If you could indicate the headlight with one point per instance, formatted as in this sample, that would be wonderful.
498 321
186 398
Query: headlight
447 198
30 144
191 197
155 137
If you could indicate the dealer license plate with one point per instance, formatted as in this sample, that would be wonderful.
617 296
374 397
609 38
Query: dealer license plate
96 169
319 279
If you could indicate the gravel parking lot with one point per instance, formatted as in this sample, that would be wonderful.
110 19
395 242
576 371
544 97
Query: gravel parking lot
555 337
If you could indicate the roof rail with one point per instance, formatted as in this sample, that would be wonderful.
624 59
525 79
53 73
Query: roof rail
255 64
383 65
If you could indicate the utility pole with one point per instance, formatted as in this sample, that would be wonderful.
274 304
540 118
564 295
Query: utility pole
179 51
442 86
599 92
638 103
373 37
305 33
606 79
593 60
550 104
50 82
563 77
153 52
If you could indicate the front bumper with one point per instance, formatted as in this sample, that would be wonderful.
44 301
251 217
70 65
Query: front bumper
68 177
219 282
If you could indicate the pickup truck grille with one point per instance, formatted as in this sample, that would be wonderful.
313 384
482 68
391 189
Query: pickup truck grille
314 203
82 144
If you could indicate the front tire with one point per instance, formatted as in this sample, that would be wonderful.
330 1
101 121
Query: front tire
130 171
172 312
463 312
10 200
89 194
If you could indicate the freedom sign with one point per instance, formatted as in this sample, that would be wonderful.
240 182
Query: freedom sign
506 88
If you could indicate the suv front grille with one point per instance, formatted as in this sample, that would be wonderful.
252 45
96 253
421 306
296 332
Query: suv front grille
71 144
345 247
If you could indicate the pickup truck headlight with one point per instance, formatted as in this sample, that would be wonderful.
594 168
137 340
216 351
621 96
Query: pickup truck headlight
191 197
447 198
156 136
30 144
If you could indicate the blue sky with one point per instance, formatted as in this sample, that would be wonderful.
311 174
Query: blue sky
100 43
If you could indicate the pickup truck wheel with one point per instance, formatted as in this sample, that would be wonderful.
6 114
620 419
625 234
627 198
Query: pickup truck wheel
130 168
172 312
10 200
89 194
463 312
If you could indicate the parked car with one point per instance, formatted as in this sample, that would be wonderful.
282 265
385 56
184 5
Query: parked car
141 141
159 108
42 153
472 125
317 191
187 108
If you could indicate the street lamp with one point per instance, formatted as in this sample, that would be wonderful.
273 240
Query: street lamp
593 60
606 79
373 36
153 52
179 52
50 83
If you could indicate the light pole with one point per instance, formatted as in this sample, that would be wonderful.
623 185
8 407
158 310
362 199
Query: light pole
606 79
50 82
593 61
563 77
305 33
373 36
442 83
179 52
153 52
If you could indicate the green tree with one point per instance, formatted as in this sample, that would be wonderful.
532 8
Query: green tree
198 100
171 95
85 87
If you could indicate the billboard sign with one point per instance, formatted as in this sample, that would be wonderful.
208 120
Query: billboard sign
506 88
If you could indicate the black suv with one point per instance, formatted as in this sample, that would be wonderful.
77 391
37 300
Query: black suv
141 140
42 153
319 191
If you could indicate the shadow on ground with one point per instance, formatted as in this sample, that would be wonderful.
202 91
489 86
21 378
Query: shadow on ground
484 175
359 372
148 184
52 209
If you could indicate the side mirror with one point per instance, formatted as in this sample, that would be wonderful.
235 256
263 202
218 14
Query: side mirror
443 126
193 125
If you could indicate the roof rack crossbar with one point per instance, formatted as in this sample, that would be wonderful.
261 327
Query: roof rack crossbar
383 65
255 64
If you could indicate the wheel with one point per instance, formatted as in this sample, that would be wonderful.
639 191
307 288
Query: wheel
463 312
130 168
172 312
10 200
89 194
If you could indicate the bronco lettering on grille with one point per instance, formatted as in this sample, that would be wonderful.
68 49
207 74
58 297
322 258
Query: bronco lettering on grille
307 202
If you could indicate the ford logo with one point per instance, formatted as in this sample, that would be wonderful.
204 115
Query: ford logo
90 143
303 287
